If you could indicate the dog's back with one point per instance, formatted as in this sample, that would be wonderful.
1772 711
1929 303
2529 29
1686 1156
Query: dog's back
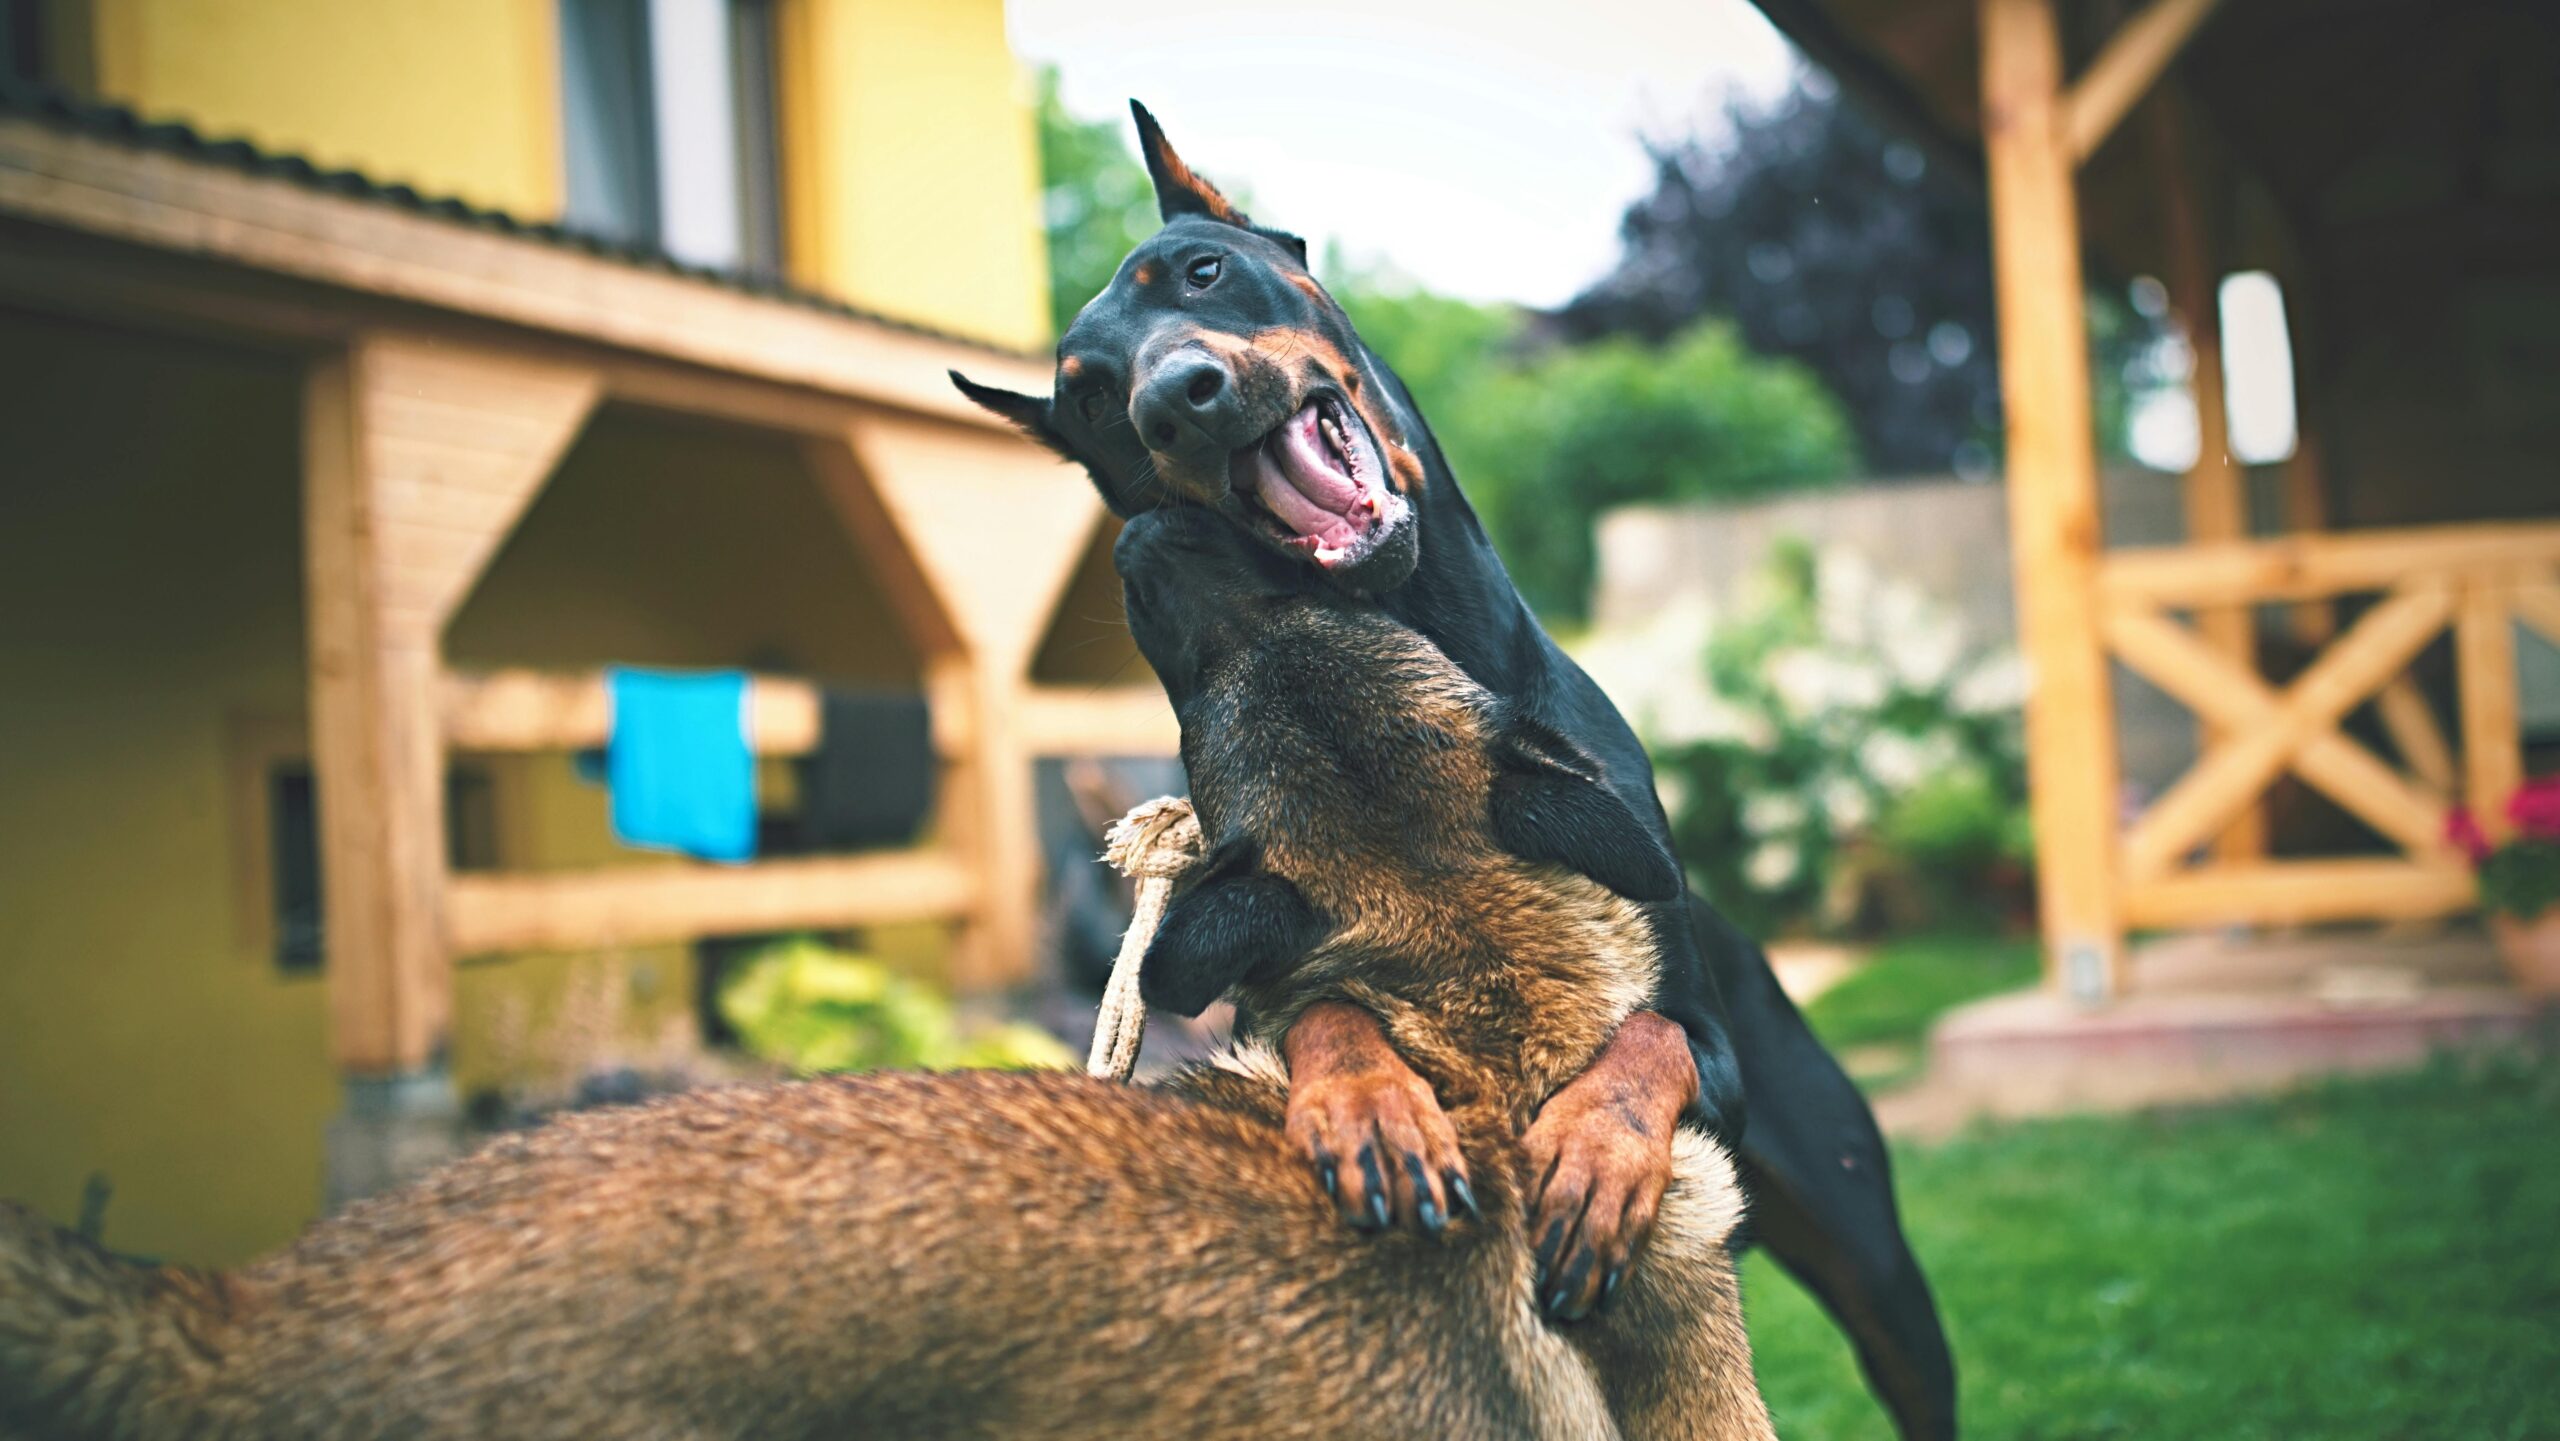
976 1254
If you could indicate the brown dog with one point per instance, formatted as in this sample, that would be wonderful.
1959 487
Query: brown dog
1033 1255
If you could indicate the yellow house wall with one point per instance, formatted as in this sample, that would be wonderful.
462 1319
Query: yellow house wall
147 596
454 97
910 158
150 604
911 164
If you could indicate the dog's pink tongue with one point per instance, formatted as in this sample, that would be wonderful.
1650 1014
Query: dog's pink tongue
1297 479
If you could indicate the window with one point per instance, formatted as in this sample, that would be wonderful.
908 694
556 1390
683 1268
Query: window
608 126
668 127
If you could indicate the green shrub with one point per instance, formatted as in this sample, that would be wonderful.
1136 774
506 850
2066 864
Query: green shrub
1829 746
805 1005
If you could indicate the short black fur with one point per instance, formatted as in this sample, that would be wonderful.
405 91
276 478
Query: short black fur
1232 920
1820 1182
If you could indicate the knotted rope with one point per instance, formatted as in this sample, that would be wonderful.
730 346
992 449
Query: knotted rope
1153 845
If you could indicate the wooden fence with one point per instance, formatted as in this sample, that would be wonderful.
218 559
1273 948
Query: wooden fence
2478 581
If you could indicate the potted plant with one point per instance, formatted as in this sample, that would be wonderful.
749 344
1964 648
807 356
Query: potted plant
2520 882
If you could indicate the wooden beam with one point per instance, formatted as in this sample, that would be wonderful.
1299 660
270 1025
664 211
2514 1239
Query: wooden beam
2240 767
2411 723
2054 521
377 760
529 710
1099 721
2304 566
642 904
2238 701
2132 62
2285 893
112 190
2484 647
457 442
988 816
2536 602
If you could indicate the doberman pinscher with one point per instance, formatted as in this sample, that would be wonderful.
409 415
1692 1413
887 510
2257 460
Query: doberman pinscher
1216 371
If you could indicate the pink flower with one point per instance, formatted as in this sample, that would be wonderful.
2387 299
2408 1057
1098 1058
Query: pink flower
2465 835
2535 808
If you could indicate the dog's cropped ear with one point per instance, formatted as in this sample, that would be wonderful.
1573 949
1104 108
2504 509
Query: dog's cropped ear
1027 413
1549 805
1179 192
1234 919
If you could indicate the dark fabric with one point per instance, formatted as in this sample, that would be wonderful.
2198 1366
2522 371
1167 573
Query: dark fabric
870 783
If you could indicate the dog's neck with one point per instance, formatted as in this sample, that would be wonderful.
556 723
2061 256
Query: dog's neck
1462 599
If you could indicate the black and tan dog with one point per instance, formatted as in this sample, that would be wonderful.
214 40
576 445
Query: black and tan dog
1216 372
1401 892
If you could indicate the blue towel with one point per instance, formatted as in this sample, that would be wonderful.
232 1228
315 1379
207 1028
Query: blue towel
682 774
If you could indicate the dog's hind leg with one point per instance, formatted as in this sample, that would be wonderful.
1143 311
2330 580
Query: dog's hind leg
1821 1192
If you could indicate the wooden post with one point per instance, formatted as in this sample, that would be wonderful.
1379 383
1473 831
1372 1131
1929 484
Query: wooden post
2216 493
418 459
2484 640
377 759
974 535
2053 494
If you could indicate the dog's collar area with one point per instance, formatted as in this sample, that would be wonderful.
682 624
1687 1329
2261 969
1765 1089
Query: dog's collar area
1319 482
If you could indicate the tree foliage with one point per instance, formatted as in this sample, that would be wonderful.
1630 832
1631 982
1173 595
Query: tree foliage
1825 239
1095 202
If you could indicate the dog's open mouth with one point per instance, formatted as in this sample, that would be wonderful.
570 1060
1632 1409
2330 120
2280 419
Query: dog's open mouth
1319 483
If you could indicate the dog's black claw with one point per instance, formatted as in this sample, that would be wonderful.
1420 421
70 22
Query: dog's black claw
1425 1209
1547 1249
1331 1176
1609 1283
1463 1196
1560 1301
1375 1177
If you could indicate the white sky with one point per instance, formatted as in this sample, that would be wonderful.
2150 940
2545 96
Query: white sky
1485 149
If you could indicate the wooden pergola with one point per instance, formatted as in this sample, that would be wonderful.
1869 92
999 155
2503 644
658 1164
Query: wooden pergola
449 365
2189 140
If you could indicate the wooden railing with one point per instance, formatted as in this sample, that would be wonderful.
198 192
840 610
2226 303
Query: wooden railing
533 711
2480 581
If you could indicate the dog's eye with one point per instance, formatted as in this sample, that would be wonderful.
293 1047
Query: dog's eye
1203 272
1092 406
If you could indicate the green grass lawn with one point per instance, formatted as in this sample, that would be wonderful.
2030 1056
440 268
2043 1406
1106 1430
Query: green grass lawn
2375 1259
1877 1017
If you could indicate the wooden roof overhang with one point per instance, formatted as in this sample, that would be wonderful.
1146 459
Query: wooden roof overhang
2395 163
451 357
262 254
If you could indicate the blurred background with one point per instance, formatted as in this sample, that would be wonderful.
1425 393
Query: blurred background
500 610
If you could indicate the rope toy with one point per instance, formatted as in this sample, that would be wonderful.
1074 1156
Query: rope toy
1154 845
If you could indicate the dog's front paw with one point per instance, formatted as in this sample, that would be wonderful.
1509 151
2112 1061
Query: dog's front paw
1599 1159
1382 1146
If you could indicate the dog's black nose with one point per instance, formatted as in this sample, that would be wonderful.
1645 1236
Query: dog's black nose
1187 403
